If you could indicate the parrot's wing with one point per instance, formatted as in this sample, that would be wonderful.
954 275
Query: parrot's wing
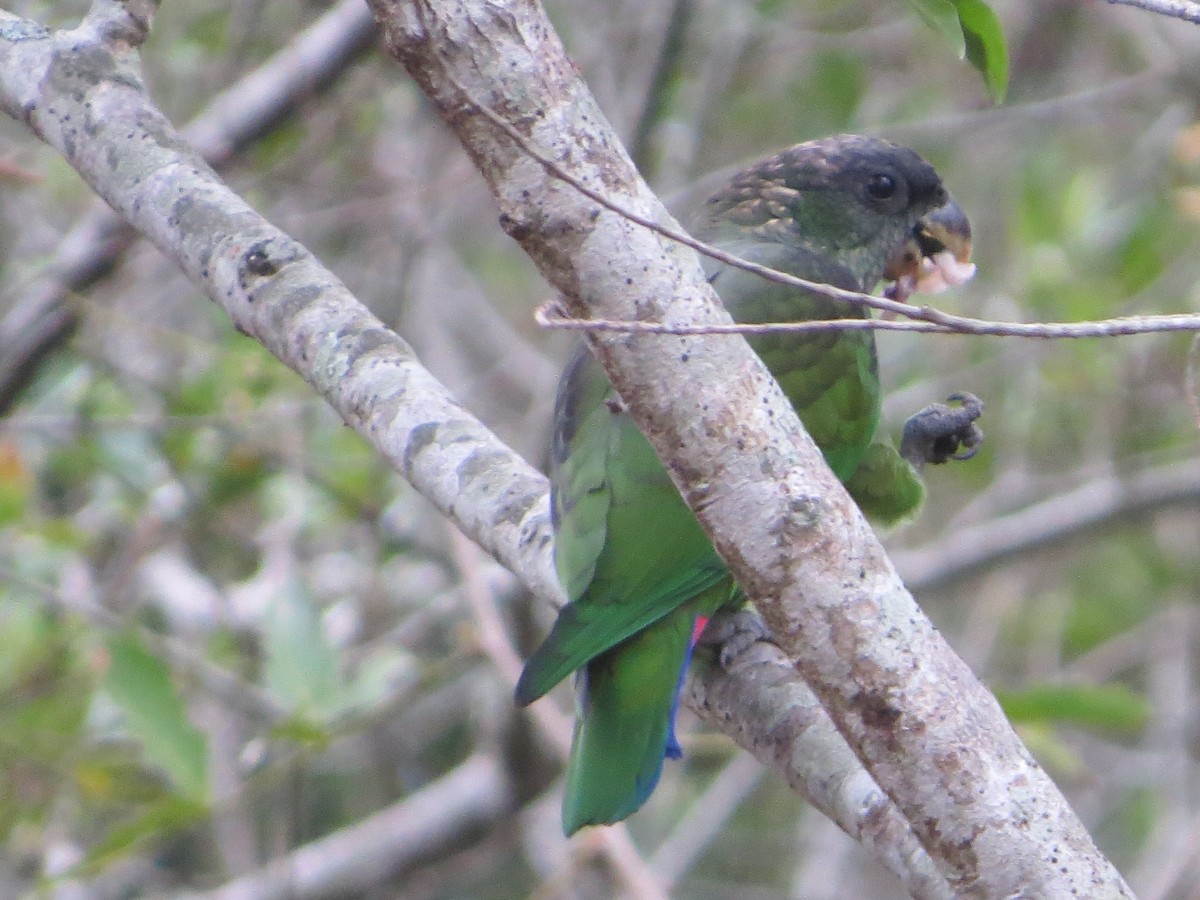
585 630
628 550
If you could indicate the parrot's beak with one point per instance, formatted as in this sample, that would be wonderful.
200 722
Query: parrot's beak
936 256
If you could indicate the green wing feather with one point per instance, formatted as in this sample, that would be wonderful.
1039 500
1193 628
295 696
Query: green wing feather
628 550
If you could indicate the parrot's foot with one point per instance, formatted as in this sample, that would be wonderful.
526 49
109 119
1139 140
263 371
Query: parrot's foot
735 633
940 433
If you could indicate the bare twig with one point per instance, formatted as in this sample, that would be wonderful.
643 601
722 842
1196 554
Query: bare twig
706 817
549 315
929 319
678 235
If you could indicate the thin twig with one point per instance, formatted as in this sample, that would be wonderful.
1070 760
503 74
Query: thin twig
682 237
928 319
550 315
707 817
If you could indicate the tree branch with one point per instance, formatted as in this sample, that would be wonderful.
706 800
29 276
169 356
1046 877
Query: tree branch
931 736
928 733
86 99
44 316
1096 504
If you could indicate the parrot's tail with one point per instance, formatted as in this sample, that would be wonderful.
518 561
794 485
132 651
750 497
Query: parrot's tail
626 725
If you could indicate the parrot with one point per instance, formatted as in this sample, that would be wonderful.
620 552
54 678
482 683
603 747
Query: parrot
640 574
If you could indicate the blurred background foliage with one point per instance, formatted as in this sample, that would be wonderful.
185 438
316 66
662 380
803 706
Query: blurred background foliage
229 630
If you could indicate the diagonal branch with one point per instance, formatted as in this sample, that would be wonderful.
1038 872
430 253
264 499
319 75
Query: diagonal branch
272 290
44 316
1096 504
361 856
96 113
929 734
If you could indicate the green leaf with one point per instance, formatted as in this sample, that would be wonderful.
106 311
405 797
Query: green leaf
141 685
987 50
1110 706
301 667
974 33
942 17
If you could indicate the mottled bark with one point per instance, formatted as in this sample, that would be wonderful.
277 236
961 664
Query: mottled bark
932 737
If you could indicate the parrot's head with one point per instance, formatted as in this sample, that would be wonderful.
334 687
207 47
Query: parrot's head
876 208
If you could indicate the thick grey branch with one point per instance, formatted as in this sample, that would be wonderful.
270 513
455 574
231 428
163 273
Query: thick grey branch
772 714
87 101
931 736
43 316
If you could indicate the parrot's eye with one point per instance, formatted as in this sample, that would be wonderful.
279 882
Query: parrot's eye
881 186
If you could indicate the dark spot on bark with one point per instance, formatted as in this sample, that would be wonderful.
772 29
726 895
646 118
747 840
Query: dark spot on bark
481 462
262 259
876 711
257 261
422 436
518 231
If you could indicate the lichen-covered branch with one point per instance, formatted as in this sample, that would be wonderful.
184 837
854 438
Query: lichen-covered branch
42 316
275 292
931 736
82 93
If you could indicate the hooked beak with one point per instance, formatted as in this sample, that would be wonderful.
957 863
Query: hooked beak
936 256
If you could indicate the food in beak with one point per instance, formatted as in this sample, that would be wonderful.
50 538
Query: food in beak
937 256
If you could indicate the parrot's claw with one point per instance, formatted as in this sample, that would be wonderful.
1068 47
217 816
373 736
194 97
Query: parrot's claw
734 634
940 433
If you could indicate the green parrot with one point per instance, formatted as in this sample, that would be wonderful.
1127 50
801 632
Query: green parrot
640 574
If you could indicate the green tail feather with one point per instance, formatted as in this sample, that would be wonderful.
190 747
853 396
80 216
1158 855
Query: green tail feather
624 723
